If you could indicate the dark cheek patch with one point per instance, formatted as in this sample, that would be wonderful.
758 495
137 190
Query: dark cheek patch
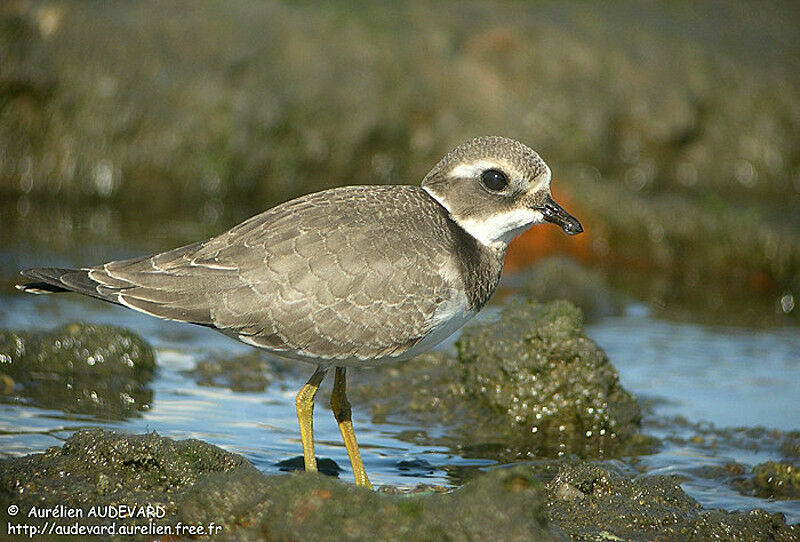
480 206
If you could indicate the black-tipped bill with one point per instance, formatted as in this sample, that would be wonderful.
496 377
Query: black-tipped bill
555 213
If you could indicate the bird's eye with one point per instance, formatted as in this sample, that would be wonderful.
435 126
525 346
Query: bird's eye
494 180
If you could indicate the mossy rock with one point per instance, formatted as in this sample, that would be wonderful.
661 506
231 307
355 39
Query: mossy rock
549 383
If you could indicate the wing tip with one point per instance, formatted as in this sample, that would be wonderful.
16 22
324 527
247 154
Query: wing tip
44 280
39 288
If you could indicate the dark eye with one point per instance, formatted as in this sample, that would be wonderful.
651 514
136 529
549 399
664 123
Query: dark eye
494 180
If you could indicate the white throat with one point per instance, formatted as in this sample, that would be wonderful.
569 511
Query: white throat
498 230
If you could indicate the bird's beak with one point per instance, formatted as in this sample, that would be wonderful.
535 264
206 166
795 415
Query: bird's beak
555 213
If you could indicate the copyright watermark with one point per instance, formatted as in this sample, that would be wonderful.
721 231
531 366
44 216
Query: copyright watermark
101 520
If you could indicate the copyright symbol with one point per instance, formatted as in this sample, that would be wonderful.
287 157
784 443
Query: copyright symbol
13 510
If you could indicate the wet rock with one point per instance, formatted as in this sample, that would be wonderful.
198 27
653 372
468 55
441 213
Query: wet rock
604 505
725 473
547 382
530 384
97 467
563 278
199 484
791 445
505 504
772 480
192 483
79 368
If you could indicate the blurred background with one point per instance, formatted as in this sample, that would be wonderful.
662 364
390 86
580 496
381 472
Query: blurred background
672 129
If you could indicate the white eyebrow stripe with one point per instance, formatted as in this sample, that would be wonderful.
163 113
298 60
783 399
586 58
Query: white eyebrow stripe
472 169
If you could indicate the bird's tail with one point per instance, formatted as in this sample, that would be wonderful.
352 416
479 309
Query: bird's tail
50 280
147 284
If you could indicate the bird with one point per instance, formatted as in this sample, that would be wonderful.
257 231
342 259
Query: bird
351 276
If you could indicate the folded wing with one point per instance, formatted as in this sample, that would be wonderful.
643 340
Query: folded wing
325 276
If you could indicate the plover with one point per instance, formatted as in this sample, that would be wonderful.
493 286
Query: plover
347 277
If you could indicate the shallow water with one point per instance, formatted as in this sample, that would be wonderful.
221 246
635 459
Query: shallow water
699 383
708 388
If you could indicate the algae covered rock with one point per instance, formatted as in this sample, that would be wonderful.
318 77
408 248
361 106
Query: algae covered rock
791 445
593 502
544 379
192 483
772 480
78 368
505 504
95 466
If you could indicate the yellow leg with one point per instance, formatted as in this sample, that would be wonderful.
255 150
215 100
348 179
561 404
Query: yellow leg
305 415
341 411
